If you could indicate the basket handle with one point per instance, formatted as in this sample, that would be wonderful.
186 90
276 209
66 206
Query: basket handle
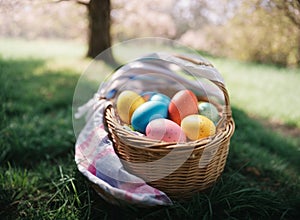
227 109
218 81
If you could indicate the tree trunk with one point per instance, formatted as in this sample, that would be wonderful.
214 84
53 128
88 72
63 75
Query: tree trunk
99 29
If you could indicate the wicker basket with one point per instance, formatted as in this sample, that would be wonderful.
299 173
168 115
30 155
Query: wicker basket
186 168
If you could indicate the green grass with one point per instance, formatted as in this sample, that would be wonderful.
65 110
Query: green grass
266 91
58 49
39 178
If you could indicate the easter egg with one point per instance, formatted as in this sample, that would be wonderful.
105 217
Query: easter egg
147 112
127 102
165 130
160 97
196 127
209 110
182 104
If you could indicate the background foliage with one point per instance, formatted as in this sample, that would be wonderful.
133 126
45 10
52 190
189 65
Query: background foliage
256 30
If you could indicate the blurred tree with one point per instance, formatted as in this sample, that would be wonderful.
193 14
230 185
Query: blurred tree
99 38
145 18
266 31
191 14
287 16
99 27
168 18
33 19
291 8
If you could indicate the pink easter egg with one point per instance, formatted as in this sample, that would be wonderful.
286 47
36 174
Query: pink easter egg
165 130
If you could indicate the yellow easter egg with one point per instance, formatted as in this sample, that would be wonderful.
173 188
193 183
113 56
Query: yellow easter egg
197 127
127 102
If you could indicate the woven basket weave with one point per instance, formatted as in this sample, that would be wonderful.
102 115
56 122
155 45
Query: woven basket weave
200 164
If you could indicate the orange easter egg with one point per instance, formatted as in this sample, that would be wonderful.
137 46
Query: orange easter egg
182 104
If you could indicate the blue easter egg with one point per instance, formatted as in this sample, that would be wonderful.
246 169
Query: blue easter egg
147 112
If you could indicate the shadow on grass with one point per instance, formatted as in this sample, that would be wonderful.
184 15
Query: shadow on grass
36 109
263 149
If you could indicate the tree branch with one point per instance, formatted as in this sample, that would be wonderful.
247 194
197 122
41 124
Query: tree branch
86 3
81 2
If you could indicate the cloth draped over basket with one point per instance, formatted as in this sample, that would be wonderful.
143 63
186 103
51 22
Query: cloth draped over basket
95 150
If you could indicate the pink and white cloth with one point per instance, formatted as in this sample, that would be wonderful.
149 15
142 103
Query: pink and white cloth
96 159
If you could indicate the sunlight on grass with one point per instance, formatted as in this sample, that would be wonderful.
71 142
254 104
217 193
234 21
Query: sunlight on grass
42 49
267 91
60 55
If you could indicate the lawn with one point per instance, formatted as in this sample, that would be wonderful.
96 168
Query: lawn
39 178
